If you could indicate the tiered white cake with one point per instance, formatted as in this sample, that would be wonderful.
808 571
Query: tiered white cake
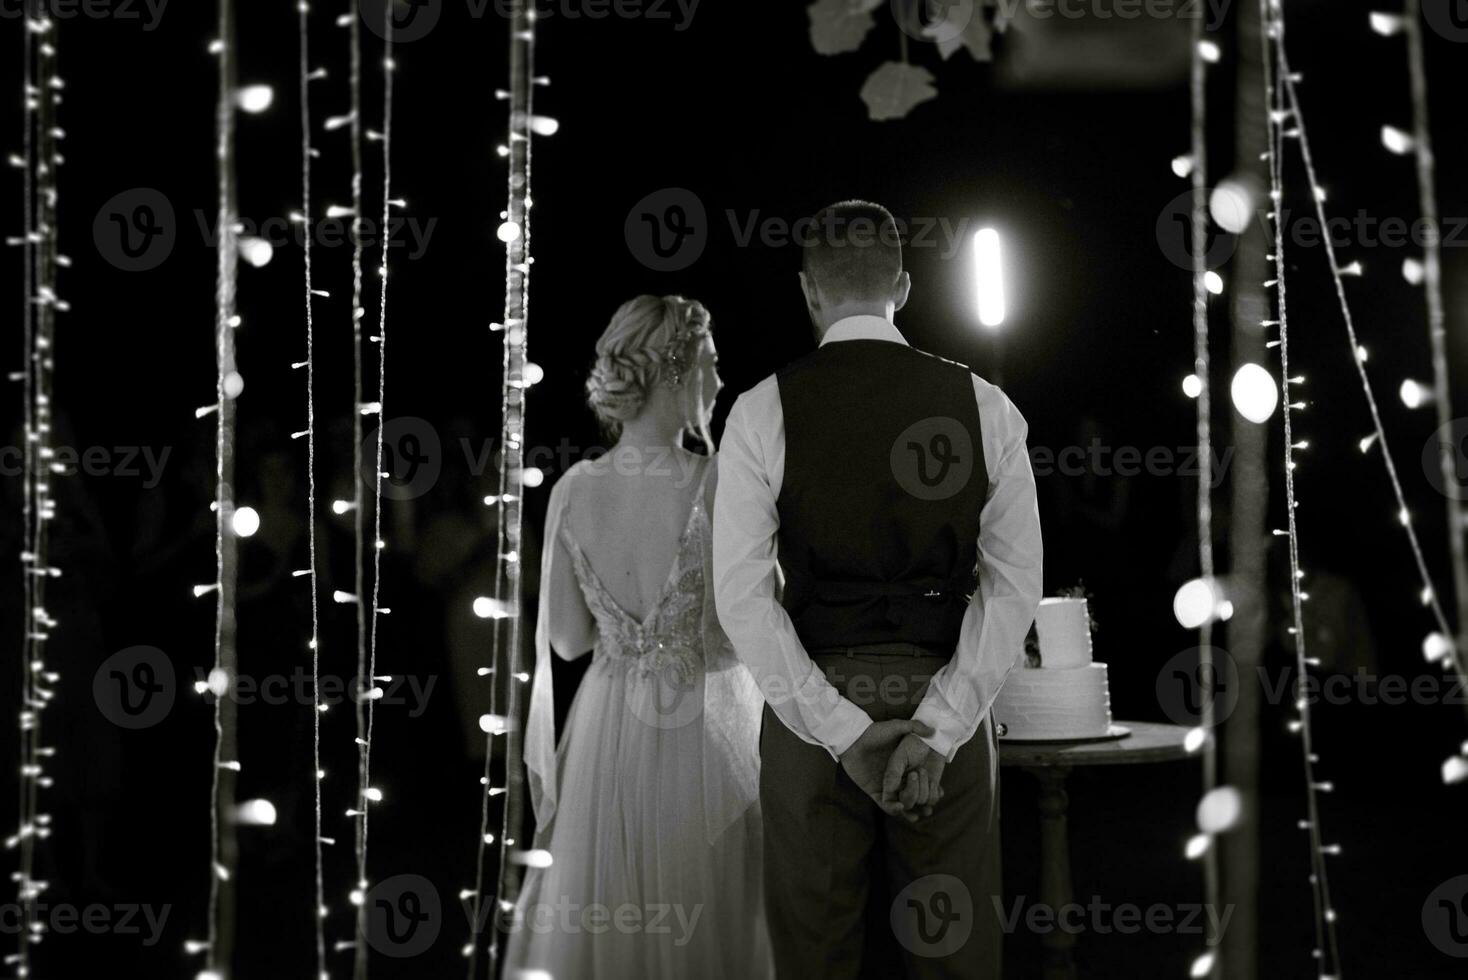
1067 696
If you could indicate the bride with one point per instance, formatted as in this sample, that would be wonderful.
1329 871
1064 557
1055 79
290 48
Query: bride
648 807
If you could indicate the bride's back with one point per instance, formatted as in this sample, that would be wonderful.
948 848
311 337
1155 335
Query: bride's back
627 512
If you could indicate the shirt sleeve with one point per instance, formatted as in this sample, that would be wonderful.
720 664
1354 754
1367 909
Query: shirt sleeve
746 524
1011 561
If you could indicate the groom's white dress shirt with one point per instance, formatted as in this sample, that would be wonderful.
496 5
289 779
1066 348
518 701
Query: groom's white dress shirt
746 528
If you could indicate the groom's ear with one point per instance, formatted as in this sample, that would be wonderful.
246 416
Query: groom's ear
904 286
805 289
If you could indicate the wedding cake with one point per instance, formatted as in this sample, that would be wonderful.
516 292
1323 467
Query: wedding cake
1064 695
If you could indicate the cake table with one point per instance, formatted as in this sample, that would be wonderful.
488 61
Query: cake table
1050 763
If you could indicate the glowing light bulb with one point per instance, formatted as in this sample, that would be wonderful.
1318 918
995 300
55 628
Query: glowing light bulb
493 724
1209 52
989 276
1413 271
1455 769
534 373
1201 967
508 232
1220 810
234 384
1386 24
544 125
1182 165
1213 282
256 251
1254 392
255 813
1192 386
1396 140
1436 648
1195 603
246 521
1231 204
1414 394
255 98
1197 846
532 477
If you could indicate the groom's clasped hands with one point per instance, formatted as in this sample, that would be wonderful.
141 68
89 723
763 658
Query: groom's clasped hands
892 764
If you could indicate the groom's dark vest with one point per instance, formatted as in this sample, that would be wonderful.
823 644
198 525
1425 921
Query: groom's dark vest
879 507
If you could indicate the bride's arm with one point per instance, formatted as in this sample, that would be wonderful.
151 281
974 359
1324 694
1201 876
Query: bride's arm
572 627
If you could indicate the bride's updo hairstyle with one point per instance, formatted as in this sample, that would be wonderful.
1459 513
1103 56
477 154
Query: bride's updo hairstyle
650 340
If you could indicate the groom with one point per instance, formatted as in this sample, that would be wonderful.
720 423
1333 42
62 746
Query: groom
893 490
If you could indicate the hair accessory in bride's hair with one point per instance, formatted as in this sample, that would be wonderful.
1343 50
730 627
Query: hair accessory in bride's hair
648 342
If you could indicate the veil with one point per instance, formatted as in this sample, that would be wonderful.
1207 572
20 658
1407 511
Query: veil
731 703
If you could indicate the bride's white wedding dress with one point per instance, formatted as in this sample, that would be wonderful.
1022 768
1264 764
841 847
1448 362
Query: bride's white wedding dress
649 806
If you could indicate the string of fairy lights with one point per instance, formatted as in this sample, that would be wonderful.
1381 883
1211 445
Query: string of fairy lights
308 153
218 947
367 794
1455 767
507 674
40 162
1203 53
1277 82
1439 646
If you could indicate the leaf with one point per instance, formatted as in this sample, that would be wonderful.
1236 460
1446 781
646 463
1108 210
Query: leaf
977 37
975 34
838 26
893 90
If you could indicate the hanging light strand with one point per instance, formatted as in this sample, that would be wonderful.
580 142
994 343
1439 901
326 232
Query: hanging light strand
1436 317
318 908
1198 90
223 846
1429 593
1327 948
42 259
367 701
507 630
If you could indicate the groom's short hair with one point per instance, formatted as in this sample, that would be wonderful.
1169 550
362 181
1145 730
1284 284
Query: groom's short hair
853 251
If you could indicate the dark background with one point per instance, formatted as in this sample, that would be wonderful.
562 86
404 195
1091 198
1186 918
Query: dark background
740 110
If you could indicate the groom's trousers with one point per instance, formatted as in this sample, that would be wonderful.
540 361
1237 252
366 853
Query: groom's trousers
933 886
